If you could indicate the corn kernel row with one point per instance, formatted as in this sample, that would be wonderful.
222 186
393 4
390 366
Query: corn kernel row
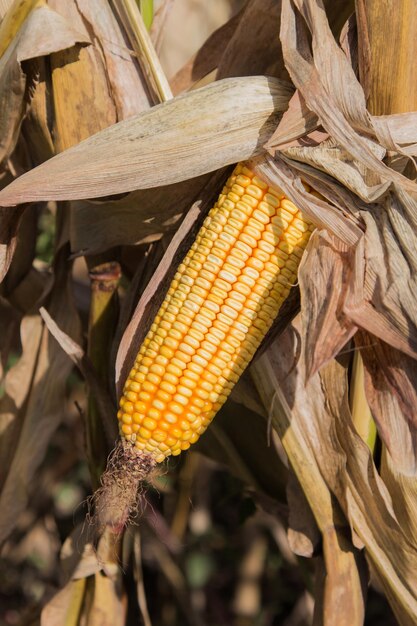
222 301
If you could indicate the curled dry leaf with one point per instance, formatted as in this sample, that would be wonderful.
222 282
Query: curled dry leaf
324 276
230 119
128 88
326 81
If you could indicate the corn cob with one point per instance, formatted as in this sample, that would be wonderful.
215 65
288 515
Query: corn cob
222 301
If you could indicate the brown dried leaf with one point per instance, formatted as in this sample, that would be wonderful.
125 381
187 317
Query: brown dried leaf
42 32
24 252
10 218
231 119
79 85
141 217
32 406
402 486
297 122
385 304
328 157
392 373
255 47
324 275
36 125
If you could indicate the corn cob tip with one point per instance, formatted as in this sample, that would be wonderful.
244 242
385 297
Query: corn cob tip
118 499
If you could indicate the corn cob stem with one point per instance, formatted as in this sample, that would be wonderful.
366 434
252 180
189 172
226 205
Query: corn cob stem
220 305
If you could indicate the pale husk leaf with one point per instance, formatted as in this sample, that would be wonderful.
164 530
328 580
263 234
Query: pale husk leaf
230 120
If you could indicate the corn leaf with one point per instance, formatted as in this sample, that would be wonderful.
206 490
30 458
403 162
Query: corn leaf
231 119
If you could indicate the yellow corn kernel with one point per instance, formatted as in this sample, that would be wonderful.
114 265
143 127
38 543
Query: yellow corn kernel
222 301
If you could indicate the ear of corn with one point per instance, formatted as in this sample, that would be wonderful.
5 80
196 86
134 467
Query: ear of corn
222 301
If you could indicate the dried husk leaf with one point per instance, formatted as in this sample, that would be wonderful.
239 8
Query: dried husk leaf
12 15
230 118
255 47
79 84
325 79
318 416
394 374
325 272
295 411
335 161
390 272
36 125
402 487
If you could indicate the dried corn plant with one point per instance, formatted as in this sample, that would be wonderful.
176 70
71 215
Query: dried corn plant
120 166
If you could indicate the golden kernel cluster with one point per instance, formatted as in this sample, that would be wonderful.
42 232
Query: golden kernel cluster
222 301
